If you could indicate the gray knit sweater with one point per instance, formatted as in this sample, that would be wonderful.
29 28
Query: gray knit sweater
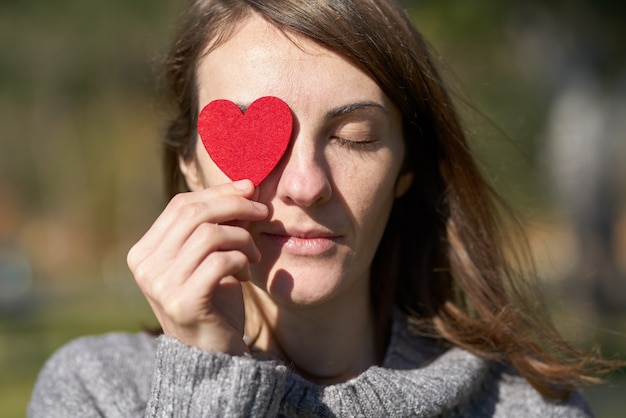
121 375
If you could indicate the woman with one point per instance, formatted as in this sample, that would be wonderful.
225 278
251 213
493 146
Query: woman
365 276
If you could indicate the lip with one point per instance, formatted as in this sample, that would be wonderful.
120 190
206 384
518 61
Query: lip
301 243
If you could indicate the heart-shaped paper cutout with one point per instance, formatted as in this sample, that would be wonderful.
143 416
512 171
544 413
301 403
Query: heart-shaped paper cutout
250 145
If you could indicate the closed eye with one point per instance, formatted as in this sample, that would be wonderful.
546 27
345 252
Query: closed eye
359 145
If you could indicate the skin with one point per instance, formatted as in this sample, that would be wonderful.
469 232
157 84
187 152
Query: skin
302 242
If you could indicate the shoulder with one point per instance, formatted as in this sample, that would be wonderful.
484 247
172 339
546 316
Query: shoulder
463 383
90 368
103 344
110 351
517 398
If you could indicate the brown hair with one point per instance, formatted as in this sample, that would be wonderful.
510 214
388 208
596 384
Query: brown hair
442 257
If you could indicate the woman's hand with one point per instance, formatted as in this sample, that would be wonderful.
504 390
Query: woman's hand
190 263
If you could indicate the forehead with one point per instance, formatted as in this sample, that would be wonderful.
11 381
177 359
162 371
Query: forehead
260 60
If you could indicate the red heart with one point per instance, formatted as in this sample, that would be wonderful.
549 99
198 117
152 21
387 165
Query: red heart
246 146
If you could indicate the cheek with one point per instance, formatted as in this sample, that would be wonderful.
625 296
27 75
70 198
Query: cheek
376 202
209 172
368 188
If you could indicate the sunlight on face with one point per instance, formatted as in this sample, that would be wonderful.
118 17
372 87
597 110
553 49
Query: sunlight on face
331 194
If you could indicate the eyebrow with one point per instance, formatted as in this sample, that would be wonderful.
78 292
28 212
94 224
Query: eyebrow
353 107
338 111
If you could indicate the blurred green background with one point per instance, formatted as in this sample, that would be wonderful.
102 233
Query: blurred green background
81 114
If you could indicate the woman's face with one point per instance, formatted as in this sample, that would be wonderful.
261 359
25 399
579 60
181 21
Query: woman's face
331 194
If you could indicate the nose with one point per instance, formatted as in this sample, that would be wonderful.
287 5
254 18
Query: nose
305 179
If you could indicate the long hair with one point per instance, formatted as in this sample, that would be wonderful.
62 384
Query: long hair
443 257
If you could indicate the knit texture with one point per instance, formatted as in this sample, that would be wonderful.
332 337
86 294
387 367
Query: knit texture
122 375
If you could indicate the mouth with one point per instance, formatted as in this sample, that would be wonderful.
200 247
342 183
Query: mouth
304 243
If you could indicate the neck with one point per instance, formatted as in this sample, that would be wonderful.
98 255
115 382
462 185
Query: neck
327 343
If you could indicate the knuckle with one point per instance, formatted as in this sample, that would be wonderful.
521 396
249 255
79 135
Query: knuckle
179 200
141 274
239 259
179 310
136 255
206 230
207 235
218 261
174 309
185 207
131 257
191 210
227 261
158 289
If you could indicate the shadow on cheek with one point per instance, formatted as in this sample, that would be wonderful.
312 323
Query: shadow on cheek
282 283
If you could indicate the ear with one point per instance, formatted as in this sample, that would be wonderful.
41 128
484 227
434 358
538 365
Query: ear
403 184
189 169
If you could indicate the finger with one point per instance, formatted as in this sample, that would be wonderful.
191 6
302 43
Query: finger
193 300
206 239
202 240
187 210
166 271
215 268
245 223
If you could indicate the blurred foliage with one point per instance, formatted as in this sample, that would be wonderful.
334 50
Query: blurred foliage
79 109
505 81
81 115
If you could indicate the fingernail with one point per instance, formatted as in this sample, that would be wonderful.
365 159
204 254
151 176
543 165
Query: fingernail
259 206
243 185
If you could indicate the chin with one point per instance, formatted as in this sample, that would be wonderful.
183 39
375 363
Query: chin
292 288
